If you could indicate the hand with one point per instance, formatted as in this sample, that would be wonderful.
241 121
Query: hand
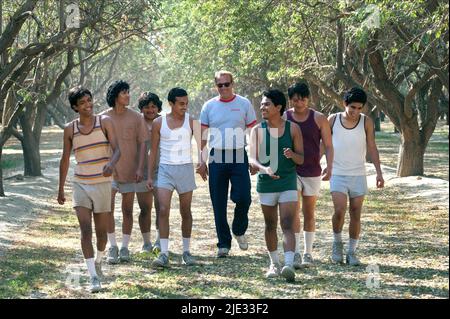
253 169
326 174
108 170
139 175
202 170
380 181
61 197
288 152
269 171
149 184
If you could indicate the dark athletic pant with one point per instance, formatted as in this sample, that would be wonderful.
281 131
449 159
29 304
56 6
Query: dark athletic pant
227 166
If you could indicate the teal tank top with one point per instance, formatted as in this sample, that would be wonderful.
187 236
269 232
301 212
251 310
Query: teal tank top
285 167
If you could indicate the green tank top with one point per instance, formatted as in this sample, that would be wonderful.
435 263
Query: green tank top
285 166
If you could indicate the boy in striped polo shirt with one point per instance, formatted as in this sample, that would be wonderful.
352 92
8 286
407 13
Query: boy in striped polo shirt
91 138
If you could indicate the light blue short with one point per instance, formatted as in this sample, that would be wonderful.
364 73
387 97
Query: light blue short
353 186
179 177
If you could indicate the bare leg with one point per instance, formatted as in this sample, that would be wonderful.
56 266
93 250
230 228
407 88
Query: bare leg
186 214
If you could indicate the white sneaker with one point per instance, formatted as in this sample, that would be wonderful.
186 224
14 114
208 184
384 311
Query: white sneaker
273 272
242 241
95 284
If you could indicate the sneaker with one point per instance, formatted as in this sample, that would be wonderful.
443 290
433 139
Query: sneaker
161 262
95 284
223 252
147 248
242 241
337 254
288 272
113 255
157 247
98 269
273 272
124 254
352 260
297 261
187 259
308 261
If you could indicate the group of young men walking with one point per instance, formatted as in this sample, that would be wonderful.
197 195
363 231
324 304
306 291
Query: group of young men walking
150 154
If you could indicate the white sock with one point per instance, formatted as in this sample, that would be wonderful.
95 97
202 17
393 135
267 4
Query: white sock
90 263
186 244
352 244
164 246
146 238
309 241
289 258
99 257
125 240
157 235
337 237
297 242
112 239
274 257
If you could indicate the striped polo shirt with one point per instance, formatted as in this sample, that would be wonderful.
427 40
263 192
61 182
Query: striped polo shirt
92 152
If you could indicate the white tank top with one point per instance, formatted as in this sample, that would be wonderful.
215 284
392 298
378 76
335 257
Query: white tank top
175 145
349 148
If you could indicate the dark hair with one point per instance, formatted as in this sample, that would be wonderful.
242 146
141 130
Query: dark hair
77 93
114 90
174 93
355 94
299 88
277 97
146 98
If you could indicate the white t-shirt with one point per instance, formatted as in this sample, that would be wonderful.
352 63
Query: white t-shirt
349 148
227 121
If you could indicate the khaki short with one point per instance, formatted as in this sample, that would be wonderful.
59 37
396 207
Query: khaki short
309 186
96 197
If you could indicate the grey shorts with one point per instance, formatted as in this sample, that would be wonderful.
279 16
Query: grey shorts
123 188
96 197
353 186
309 186
272 199
178 177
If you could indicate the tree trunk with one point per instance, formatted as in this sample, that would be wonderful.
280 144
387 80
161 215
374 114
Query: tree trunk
30 147
2 191
411 153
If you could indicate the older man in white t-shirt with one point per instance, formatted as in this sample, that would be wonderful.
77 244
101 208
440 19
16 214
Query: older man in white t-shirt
227 117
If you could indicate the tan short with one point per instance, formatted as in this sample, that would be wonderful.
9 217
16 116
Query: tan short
96 197
309 186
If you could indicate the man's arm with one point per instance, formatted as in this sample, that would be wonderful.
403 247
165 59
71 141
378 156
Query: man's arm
297 155
373 150
110 134
255 164
197 131
155 138
327 144
65 161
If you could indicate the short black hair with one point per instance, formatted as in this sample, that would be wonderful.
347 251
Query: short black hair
77 93
299 88
174 93
277 97
114 90
355 94
148 97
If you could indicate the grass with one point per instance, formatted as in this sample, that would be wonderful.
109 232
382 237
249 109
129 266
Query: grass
406 239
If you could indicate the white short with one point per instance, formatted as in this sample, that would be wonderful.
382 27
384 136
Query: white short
353 186
96 197
309 186
272 199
